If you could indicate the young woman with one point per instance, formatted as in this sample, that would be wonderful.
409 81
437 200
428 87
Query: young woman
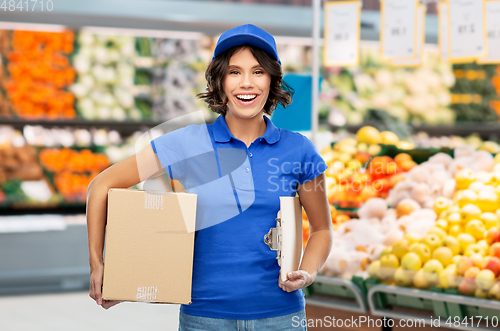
236 284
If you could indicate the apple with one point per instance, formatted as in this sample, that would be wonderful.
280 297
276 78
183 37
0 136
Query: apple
477 187
362 157
419 280
470 212
432 269
487 201
478 260
490 220
464 264
443 255
412 237
403 277
432 241
455 230
400 248
423 251
448 278
465 240
452 243
465 197
464 178
388 265
493 264
495 250
492 235
442 224
484 245
456 258
438 231
441 204
475 228
374 270
471 273
411 261
485 279
474 249
481 294
494 292
454 219
467 287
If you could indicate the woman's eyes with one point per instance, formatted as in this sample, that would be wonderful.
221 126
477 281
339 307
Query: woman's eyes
259 72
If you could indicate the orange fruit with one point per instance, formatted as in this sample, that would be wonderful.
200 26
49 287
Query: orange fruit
402 157
407 165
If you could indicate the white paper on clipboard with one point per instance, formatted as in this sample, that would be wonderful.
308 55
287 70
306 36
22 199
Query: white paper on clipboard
398 32
492 8
286 238
420 45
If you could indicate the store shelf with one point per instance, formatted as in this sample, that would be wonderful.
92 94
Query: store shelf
337 290
382 300
489 131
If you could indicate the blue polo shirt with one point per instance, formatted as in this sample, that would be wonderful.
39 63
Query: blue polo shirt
235 274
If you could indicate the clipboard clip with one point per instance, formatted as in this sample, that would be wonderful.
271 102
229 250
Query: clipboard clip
273 239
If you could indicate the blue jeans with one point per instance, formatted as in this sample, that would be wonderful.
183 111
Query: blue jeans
290 322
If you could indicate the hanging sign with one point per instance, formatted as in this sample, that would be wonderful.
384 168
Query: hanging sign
443 31
420 44
398 30
466 30
492 9
342 33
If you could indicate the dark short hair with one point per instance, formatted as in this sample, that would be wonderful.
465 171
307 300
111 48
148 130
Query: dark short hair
279 92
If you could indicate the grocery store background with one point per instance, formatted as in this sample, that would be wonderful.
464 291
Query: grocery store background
80 81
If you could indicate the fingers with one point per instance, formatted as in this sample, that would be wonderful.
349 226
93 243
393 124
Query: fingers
110 303
95 291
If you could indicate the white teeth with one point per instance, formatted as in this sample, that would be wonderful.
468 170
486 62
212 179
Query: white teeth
246 96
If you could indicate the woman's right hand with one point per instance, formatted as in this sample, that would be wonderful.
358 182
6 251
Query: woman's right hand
96 277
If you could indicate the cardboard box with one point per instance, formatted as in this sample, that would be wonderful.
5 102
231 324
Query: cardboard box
149 246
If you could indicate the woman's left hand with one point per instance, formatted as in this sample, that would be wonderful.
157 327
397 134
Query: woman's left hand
296 280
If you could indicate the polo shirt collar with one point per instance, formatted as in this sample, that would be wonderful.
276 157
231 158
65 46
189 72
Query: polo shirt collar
223 135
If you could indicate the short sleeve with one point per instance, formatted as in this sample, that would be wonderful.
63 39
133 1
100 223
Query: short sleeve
312 164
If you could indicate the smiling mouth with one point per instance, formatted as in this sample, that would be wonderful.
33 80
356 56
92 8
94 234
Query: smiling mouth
246 98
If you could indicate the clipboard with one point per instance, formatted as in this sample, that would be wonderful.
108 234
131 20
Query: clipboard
286 237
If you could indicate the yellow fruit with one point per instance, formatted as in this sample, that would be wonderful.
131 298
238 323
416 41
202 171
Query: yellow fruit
442 224
400 248
487 201
455 230
470 212
443 255
464 178
454 219
405 145
368 135
490 220
389 138
412 238
475 228
438 231
465 197
497 158
441 204
465 240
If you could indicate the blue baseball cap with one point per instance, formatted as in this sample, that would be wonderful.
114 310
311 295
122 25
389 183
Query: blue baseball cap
247 34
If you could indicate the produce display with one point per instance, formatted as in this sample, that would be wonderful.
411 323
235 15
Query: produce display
38 71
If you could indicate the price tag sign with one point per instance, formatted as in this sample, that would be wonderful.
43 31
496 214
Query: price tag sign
398 30
492 8
342 33
420 45
443 31
466 30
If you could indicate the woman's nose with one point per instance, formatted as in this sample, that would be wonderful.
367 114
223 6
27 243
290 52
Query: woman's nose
246 81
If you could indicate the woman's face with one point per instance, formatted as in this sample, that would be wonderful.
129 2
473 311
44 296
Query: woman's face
246 85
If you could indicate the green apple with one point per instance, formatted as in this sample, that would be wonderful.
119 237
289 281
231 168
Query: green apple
485 279
474 249
388 265
423 251
494 293
438 231
419 280
448 278
432 269
411 261
432 241
469 212
452 243
475 228
374 270
490 220
443 255
465 240
403 277
481 294
386 251
400 248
